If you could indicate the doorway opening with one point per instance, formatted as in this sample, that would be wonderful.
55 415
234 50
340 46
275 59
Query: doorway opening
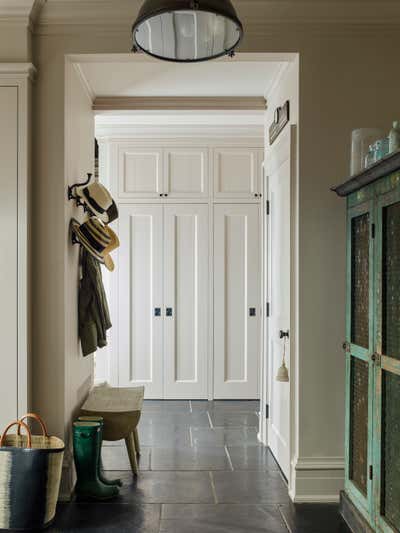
203 283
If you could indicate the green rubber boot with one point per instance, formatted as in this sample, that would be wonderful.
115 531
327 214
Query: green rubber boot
101 474
87 444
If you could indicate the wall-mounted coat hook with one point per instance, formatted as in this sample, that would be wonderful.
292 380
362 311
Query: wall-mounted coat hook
72 190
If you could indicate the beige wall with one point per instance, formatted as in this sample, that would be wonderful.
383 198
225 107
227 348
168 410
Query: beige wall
15 43
348 79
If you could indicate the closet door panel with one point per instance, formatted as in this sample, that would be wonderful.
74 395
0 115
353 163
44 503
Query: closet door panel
140 172
9 254
140 323
236 301
237 173
186 275
186 172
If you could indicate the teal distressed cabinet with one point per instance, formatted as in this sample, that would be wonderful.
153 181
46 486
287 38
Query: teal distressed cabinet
371 500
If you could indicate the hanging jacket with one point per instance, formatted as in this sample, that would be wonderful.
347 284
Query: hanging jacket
94 317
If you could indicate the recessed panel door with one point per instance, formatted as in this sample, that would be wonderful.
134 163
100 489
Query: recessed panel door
140 300
237 173
8 255
186 172
186 289
236 301
140 172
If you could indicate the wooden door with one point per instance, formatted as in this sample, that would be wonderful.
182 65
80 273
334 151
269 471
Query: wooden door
186 279
359 347
236 301
140 298
140 172
237 172
186 172
9 254
278 164
386 359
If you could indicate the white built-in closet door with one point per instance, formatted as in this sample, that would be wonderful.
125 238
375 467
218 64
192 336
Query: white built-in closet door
236 301
186 289
140 313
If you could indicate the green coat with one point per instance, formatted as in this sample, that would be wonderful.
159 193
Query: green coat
94 317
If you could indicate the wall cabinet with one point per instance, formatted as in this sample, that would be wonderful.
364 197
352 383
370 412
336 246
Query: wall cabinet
150 172
373 350
163 299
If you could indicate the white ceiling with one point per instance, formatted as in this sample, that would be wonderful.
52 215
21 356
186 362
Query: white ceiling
146 77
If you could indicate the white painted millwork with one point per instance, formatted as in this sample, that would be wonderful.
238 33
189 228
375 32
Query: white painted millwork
186 172
236 292
140 172
186 272
279 184
140 291
15 90
237 172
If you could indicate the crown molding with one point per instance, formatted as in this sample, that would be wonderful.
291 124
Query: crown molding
64 16
186 103
14 70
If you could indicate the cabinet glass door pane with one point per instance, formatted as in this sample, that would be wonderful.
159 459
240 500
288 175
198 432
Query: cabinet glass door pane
359 423
390 484
360 229
391 281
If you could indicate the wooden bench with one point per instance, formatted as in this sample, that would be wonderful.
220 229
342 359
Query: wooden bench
121 409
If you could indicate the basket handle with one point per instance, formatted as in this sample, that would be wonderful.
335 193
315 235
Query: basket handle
35 417
19 424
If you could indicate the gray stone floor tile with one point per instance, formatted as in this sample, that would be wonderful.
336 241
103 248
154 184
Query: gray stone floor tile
164 436
224 518
166 406
313 518
235 406
175 419
224 437
116 458
252 458
113 517
229 419
250 487
166 487
190 459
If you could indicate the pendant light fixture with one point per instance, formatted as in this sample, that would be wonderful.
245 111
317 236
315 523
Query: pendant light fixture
187 31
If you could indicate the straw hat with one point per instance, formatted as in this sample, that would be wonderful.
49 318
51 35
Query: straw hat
98 239
99 201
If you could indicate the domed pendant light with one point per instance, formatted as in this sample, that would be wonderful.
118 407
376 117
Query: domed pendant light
187 31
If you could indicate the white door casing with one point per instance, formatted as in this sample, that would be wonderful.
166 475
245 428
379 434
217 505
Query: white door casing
186 278
236 301
140 293
279 260
186 172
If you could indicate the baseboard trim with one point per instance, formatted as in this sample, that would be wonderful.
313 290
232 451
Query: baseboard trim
316 479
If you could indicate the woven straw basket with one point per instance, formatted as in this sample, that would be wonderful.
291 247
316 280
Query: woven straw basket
30 474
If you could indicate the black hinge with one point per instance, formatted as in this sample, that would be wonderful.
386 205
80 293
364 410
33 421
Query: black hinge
268 207
373 231
371 472
266 410
267 309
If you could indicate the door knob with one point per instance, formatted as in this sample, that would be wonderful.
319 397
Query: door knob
252 311
168 311
157 311
283 334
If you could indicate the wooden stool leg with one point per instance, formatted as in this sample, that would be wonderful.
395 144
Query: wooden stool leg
130 446
137 443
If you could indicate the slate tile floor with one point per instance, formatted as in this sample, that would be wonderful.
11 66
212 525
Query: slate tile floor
202 471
